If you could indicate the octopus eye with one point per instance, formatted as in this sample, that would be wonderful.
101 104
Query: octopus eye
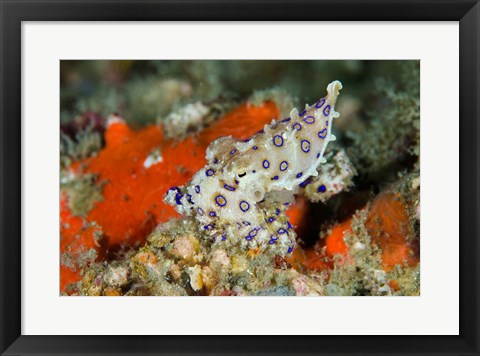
241 175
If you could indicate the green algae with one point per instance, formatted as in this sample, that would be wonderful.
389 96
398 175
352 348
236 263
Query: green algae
83 192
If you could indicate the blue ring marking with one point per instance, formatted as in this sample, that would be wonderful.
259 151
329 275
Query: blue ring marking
189 199
197 189
326 110
260 132
271 219
210 172
290 249
286 120
178 196
305 144
289 225
309 120
320 103
318 155
254 171
212 213
266 164
209 227
322 189
236 182
299 175
277 211
248 238
220 200
200 211
246 223
275 178
215 161
233 151
278 140
228 187
326 123
282 231
297 126
247 140
272 240
323 133
305 183
244 206
283 166
286 203
255 148
224 237
302 113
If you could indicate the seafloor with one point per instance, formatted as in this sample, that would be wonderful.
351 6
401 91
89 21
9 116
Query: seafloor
132 130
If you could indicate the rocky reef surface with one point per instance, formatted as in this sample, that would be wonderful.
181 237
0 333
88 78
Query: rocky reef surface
233 193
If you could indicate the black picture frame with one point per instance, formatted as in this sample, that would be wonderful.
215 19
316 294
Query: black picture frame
13 12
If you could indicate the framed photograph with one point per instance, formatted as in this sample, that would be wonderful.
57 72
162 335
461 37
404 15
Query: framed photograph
235 177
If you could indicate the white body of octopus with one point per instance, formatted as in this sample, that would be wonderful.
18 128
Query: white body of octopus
240 196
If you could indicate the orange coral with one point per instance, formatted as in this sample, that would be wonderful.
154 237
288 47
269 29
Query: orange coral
133 192
297 215
312 259
76 239
393 284
320 257
334 242
387 224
